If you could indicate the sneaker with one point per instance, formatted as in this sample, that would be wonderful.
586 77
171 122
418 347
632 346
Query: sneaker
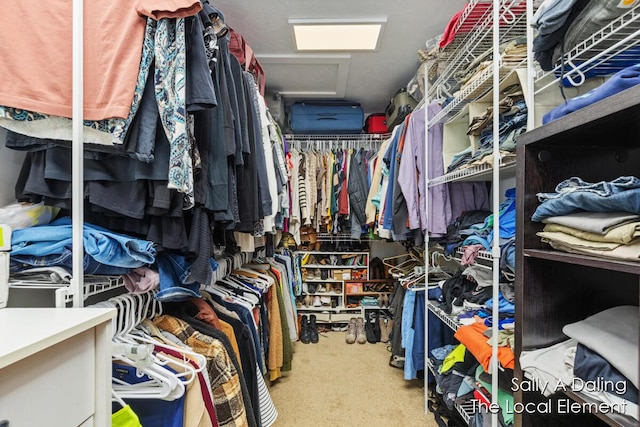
350 338
361 337
317 302
341 327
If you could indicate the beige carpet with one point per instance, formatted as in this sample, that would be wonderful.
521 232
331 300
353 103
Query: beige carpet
336 384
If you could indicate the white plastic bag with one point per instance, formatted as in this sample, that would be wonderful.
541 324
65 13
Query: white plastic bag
23 215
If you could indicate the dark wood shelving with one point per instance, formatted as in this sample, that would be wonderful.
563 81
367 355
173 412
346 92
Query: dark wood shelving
586 260
600 142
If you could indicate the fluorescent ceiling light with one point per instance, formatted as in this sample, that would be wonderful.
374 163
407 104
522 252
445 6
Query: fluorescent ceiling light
332 35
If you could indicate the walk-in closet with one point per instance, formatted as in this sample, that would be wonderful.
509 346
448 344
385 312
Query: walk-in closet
242 214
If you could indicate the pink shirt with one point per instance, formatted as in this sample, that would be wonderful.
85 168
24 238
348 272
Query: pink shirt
36 61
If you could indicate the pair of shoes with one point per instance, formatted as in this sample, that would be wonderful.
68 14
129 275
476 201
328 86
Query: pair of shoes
372 328
383 301
309 329
386 325
307 300
355 331
317 302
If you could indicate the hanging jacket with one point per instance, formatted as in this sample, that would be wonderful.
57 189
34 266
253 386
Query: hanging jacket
358 186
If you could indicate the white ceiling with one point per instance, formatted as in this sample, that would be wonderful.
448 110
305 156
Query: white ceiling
370 78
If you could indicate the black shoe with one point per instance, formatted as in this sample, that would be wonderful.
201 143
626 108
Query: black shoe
313 329
372 328
305 333
377 332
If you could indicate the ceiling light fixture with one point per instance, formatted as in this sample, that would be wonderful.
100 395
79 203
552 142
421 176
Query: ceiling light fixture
337 34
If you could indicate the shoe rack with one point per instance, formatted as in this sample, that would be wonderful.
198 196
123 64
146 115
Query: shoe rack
371 294
324 277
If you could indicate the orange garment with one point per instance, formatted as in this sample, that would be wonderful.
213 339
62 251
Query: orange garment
275 358
209 316
472 336
36 52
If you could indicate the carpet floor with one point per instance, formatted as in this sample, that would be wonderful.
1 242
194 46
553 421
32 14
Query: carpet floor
348 385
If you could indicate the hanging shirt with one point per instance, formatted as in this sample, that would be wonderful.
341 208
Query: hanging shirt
412 175
37 66
376 183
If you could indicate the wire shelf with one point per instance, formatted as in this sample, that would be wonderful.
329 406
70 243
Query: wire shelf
101 284
478 87
482 255
474 38
466 409
93 285
476 173
360 137
331 237
447 319
612 40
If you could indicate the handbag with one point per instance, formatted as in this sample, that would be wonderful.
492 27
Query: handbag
239 48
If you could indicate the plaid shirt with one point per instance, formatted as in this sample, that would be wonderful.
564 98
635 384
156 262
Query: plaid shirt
225 383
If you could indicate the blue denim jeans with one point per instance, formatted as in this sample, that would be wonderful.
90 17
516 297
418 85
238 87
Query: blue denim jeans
91 266
102 245
574 194
507 123
176 283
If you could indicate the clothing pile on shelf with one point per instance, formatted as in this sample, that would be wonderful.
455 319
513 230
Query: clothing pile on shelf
512 52
600 219
461 379
461 372
48 246
396 198
473 231
512 122
623 79
599 362
562 25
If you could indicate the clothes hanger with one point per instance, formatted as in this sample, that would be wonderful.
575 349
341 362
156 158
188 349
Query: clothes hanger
227 294
164 384
116 398
244 291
